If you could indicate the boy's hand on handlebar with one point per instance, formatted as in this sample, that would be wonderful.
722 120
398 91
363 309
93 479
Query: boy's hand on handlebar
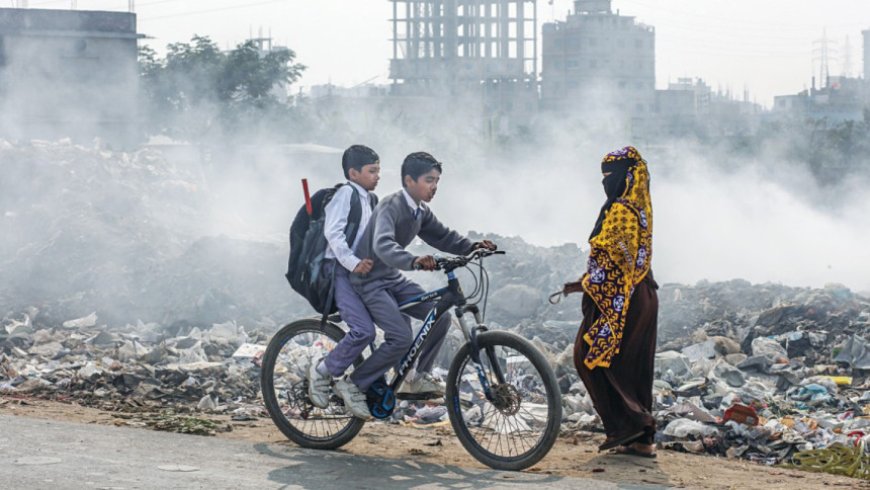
487 244
364 266
426 263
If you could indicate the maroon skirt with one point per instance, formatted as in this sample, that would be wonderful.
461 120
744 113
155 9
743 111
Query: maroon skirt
622 394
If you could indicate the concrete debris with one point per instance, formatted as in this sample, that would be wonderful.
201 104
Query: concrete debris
87 321
142 365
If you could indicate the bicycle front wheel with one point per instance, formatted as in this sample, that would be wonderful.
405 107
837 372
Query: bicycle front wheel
285 387
518 423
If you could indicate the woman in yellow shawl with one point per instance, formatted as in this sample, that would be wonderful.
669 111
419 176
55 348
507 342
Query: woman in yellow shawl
615 347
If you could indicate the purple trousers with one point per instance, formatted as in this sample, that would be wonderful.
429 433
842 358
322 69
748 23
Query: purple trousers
382 298
361 330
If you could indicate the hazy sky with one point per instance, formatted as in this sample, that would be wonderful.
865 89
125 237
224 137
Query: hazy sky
765 46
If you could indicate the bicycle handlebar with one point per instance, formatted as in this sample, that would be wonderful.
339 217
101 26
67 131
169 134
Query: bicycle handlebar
448 264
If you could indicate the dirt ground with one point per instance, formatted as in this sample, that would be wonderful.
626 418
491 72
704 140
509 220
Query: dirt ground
571 456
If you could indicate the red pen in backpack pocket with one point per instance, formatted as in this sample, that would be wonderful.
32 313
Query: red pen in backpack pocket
308 207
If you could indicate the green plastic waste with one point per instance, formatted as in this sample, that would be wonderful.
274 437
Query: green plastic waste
836 459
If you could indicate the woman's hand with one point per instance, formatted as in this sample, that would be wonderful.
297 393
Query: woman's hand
572 287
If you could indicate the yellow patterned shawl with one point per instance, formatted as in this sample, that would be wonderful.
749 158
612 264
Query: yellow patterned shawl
619 259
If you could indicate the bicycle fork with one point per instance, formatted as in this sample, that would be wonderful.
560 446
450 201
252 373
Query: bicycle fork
472 325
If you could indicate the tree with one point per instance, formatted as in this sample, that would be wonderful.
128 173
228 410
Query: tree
251 77
199 93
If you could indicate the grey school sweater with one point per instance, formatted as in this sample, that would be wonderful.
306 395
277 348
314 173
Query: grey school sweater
392 227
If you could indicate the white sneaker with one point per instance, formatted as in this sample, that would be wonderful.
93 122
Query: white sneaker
354 399
318 385
423 383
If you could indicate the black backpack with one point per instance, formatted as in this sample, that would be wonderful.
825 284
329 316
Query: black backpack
308 248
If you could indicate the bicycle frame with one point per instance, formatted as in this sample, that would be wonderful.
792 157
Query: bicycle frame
446 298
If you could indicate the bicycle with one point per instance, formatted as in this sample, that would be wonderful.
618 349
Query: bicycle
502 396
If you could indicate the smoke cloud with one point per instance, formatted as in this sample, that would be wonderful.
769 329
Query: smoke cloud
85 225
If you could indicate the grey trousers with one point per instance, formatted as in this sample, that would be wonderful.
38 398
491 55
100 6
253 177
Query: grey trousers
361 330
382 298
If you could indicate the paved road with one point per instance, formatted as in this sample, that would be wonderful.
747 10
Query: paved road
48 454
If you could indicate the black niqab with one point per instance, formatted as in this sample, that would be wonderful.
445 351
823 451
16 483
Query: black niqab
614 186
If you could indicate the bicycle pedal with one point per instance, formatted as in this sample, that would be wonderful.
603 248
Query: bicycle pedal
419 396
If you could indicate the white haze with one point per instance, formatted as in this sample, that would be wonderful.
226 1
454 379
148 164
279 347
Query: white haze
717 217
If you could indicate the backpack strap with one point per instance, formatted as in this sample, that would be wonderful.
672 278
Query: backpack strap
353 218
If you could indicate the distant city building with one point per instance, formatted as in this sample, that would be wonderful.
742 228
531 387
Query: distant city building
68 73
684 97
841 100
598 60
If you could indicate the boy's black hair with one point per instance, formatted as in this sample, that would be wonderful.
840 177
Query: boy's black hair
357 157
417 164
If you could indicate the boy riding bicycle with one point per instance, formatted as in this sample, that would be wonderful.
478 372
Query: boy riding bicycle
396 221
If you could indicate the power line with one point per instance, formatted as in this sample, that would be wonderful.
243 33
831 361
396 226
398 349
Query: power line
847 59
823 56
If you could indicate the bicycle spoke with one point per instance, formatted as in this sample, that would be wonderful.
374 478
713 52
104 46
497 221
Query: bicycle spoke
290 386
507 426
514 433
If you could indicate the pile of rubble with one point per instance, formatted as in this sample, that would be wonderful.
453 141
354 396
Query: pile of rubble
794 382
134 367
784 370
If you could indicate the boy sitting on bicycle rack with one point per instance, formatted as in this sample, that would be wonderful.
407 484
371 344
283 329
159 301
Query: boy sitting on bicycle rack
361 167
396 221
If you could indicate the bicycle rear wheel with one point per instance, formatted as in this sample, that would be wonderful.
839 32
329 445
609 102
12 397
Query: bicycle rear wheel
284 382
519 425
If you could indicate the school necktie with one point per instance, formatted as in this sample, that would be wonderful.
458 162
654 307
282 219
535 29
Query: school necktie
416 213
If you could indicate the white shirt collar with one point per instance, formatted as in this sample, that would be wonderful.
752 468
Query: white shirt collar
413 205
359 188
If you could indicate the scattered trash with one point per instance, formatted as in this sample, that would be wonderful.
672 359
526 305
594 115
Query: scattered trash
838 458
741 414
87 321
184 424
249 351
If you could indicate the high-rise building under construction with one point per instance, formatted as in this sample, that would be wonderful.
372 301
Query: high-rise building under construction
440 46
480 52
